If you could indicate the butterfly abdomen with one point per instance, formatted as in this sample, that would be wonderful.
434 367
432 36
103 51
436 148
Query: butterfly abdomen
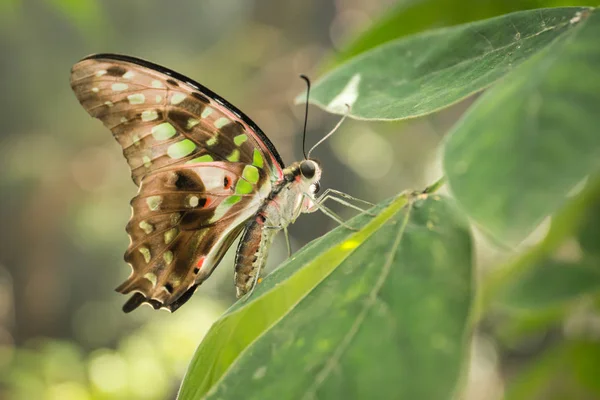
252 253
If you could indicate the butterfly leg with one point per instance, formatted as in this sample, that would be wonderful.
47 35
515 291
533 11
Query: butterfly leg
287 242
332 215
346 196
347 204
328 195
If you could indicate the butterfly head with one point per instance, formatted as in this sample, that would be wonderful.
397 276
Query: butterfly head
309 172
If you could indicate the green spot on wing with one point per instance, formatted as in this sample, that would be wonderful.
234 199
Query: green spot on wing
170 235
191 123
234 156
240 139
154 202
243 187
168 257
181 149
257 159
212 141
231 200
204 158
163 131
250 174
146 227
145 253
147 161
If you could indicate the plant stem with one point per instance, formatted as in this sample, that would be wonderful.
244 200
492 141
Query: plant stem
435 186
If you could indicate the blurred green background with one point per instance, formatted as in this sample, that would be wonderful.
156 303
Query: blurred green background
65 188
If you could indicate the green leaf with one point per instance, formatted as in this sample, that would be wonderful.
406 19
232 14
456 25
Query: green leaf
571 219
518 152
395 295
562 371
275 296
589 235
535 292
418 15
552 283
420 74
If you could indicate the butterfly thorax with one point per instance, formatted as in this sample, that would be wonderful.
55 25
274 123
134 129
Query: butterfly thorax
290 197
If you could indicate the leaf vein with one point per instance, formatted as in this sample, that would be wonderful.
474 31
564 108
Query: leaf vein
371 300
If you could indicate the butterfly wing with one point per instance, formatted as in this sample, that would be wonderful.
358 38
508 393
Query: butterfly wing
183 220
203 168
162 118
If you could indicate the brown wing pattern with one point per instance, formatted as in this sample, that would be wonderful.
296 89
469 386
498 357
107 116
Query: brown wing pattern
183 220
161 118
201 165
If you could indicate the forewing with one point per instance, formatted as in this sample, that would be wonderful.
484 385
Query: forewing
162 118
183 220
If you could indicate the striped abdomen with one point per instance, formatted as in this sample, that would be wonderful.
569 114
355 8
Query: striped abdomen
252 254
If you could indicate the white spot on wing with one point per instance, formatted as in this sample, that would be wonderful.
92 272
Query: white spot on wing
118 87
149 115
193 201
221 122
212 178
206 112
348 96
137 98
177 98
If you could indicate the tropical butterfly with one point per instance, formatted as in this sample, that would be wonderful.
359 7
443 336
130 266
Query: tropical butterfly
205 172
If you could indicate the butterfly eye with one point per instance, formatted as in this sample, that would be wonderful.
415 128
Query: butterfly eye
315 187
307 169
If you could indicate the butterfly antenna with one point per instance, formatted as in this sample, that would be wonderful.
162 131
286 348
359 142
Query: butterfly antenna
305 114
335 128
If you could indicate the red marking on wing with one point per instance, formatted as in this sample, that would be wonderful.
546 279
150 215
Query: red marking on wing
199 264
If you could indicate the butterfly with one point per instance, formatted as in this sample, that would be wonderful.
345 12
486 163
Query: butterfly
206 173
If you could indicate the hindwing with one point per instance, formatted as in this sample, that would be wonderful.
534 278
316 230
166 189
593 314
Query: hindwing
183 221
